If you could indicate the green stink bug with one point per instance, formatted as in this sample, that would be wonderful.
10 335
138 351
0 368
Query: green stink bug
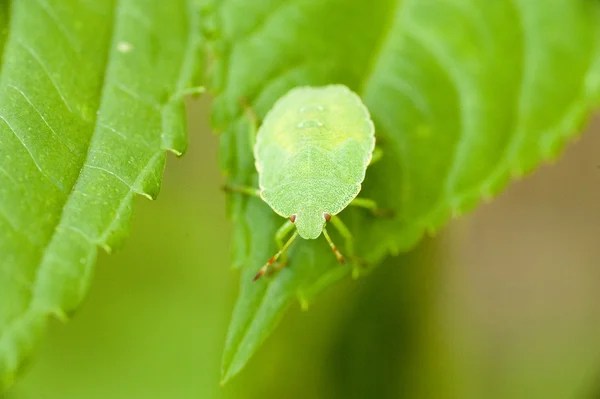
311 153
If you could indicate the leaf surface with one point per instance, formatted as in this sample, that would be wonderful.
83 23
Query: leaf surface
466 95
90 99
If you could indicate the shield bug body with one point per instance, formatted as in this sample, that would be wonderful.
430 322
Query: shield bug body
311 154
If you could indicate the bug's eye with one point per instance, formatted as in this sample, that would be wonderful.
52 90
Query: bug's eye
293 218
326 216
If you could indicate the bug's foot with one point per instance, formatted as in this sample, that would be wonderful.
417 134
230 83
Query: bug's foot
231 188
268 268
247 107
272 269
359 265
236 188
384 213
260 273
279 266
360 262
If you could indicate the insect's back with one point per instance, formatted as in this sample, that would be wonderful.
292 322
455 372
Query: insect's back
312 152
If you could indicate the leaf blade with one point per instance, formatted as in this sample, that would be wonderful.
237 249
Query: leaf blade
99 138
457 96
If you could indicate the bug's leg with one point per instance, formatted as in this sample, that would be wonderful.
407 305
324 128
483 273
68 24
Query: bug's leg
336 251
274 258
364 203
349 243
377 155
280 235
371 205
235 188
252 119
345 233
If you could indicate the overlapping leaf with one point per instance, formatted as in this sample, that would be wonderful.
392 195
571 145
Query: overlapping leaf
465 95
90 99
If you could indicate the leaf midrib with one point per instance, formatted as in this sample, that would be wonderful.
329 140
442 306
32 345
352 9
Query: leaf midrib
379 48
374 60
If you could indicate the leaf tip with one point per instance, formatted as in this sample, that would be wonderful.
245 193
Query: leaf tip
60 315
223 381
175 152
150 197
227 372
107 248
303 301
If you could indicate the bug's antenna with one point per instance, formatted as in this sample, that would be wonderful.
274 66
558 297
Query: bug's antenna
275 257
337 253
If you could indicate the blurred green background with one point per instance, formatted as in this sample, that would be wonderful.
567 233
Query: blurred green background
505 303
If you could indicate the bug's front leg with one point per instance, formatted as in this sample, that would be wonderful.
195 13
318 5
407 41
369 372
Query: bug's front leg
349 244
345 233
371 205
280 235
273 263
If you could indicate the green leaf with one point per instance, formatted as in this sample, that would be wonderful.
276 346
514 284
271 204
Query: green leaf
91 96
466 95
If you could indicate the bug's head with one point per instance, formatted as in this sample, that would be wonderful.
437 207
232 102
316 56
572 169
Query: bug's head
309 223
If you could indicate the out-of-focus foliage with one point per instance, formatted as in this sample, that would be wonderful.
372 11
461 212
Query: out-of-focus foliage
90 99
504 304
465 95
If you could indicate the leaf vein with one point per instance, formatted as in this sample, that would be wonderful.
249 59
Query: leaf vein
58 137
137 96
61 27
123 136
100 168
35 161
40 61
